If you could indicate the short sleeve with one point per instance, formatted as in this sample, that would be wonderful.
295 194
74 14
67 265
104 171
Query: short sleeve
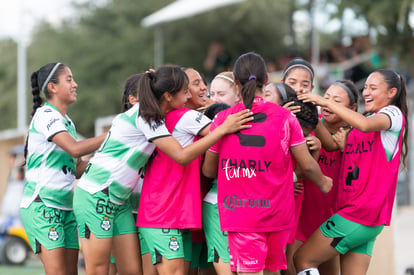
193 122
395 115
297 137
49 122
153 131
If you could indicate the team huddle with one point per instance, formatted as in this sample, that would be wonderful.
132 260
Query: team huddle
247 177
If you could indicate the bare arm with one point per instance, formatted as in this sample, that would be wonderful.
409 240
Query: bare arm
310 167
183 156
77 148
356 120
210 165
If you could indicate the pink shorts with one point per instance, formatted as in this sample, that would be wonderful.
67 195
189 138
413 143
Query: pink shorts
253 252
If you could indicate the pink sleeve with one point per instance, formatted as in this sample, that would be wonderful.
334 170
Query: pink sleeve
296 132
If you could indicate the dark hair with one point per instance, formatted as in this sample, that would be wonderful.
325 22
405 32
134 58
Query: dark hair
286 92
350 89
250 72
130 88
308 115
38 80
298 63
395 80
215 108
153 85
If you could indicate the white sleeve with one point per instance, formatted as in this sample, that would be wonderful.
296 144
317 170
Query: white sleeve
395 115
49 122
192 122
390 137
153 131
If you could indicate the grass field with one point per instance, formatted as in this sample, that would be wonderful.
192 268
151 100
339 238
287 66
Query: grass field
32 267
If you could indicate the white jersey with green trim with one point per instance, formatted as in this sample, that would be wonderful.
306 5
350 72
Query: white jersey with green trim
50 170
120 160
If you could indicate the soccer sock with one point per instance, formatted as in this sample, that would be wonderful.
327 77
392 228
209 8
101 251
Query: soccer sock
309 271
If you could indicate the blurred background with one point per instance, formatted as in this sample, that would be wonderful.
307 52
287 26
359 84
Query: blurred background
105 41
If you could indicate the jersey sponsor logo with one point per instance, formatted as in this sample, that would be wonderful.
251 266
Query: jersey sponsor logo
232 201
53 234
235 168
359 148
52 121
325 160
174 244
105 224
353 174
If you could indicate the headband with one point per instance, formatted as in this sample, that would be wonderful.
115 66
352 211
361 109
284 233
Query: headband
297 66
225 77
50 76
282 91
351 96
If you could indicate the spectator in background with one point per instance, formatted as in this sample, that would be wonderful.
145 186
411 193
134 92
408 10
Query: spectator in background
218 59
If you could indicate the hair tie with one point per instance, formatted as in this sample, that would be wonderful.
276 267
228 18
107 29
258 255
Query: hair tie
150 74
49 76
351 95
225 77
252 77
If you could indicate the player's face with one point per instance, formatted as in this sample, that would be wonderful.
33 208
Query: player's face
300 80
197 88
65 89
222 91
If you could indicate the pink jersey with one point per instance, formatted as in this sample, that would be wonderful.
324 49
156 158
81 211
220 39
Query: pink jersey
171 196
368 180
317 207
255 176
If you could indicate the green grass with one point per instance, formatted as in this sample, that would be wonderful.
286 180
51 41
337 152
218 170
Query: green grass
33 266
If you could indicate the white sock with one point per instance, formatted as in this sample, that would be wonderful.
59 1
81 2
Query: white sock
309 271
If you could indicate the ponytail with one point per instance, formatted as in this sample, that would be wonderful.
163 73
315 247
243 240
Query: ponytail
250 72
149 106
151 89
37 99
39 80
400 100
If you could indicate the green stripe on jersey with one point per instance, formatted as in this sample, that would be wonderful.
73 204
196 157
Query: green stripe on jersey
97 174
119 193
61 160
61 197
34 161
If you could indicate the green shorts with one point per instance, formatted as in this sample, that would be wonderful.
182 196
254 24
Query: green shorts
49 227
199 255
167 243
95 213
350 236
217 241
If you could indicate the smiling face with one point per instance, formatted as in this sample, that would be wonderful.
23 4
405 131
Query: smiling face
376 93
338 95
65 90
179 99
223 91
300 80
197 89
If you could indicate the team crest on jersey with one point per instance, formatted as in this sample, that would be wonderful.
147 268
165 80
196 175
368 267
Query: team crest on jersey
174 245
53 234
105 224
